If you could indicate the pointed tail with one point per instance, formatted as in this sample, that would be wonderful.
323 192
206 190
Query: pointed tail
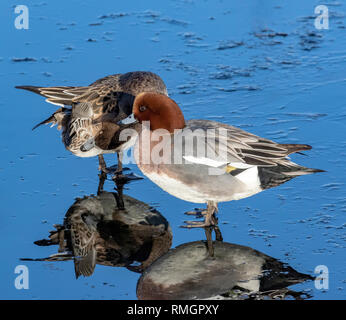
293 148
302 171
56 95
56 118
34 89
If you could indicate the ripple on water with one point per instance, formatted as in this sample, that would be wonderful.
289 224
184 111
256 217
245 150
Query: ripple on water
229 44
26 59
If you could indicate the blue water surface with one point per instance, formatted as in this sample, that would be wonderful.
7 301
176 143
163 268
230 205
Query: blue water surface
258 65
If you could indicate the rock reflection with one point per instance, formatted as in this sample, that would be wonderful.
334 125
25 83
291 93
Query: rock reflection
235 272
110 231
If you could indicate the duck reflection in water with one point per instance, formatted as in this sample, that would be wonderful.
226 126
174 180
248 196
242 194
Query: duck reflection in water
114 229
235 272
109 230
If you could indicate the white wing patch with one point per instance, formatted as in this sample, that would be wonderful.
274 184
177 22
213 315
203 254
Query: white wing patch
55 103
206 161
217 163
240 165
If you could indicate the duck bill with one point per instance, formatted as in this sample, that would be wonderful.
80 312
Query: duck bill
130 119
88 145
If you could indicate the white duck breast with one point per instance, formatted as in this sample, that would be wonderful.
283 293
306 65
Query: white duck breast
194 184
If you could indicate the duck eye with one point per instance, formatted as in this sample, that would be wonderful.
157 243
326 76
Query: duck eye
142 108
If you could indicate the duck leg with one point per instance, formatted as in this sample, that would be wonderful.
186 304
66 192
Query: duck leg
119 177
212 209
208 234
120 161
210 246
118 169
103 173
209 224
209 217
102 179
118 174
218 234
102 164
120 190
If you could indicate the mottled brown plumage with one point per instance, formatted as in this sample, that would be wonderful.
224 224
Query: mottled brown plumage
97 230
93 118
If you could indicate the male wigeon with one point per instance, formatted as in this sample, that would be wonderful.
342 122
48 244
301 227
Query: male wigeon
237 272
234 164
92 124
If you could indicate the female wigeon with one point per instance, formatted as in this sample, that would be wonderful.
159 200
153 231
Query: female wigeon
233 164
99 230
91 125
